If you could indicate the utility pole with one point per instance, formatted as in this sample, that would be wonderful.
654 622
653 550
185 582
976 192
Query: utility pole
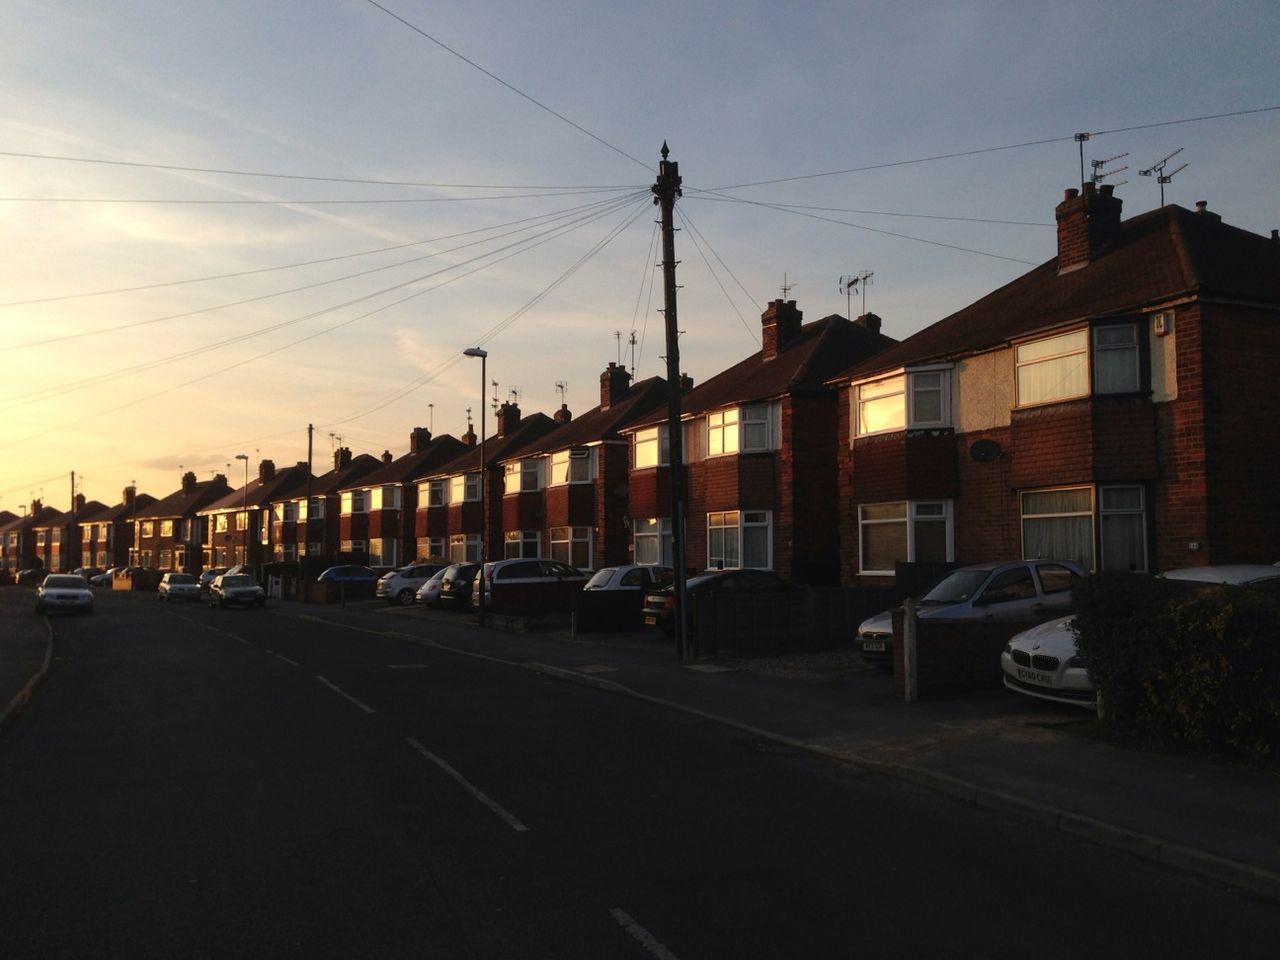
306 527
665 191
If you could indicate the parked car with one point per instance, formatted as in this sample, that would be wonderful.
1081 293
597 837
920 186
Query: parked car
1013 590
32 575
522 570
64 591
659 608
1045 662
251 569
400 586
631 576
456 585
208 576
87 572
178 586
104 579
429 593
229 589
347 573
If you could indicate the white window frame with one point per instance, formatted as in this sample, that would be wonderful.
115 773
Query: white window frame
470 548
522 541
752 418
1132 347
1140 511
651 536
148 528
880 393
916 385
722 432
725 524
437 493
1061 349
568 543
464 488
166 528
571 465
913 512
1089 562
651 448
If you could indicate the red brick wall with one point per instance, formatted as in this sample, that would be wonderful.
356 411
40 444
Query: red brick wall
1179 500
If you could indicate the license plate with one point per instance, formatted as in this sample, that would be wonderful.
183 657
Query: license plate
874 645
1035 676
650 621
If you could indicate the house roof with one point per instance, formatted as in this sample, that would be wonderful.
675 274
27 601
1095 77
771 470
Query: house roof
44 518
1158 255
411 466
186 501
125 511
599 423
495 449
820 351
259 492
340 477
91 511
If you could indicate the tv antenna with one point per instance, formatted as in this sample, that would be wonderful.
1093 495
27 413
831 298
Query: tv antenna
561 387
847 285
431 417
468 419
1157 169
787 288
632 342
1099 175
514 393
494 403
335 440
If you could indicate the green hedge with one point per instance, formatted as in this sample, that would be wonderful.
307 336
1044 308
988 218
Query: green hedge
1184 663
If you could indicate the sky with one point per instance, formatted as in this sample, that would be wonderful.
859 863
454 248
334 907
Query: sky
222 222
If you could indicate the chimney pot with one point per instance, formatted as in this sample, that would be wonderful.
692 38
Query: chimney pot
419 439
266 470
386 456
1275 236
615 383
870 321
1088 223
779 327
189 481
686 383
563 415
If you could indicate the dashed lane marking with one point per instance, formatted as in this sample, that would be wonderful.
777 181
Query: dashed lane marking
641 935
511 821
346 696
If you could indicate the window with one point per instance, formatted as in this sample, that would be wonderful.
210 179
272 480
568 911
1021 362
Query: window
754 427
353 502
264 525
287 552
881 405
1055 368
722 432
651 448
930 398
570 466
385 497
464 548
1115 359
289 511
242 521
437 493
465 486
431 548
1123 528
39 538
384 552
572 545
739 538
1058 525
166 559
148 528
918 531
522 543
522 477
652 541
220 522
166 529
55 535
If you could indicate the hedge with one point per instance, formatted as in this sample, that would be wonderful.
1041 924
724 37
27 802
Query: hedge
1182 663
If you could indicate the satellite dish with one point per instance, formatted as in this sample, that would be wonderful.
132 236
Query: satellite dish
984 451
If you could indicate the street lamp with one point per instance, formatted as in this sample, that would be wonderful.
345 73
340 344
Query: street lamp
244 505
484 356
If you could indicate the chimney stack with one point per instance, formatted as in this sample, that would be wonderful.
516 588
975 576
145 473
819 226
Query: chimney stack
686 383
189 481
386 456
469 438
562 415
780 326
127 495
266 470
1202 208
870 321
1088 222
615 384
78 503
508 418
342 458
419 439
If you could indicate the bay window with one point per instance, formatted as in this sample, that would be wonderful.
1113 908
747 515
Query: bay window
651 447
1104 359
570 466
572 545
464 487
916 531
464 548
1058 525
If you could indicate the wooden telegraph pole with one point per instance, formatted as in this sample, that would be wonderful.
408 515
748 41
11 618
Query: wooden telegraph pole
665 191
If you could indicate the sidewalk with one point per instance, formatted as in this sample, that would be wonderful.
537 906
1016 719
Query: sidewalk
26 649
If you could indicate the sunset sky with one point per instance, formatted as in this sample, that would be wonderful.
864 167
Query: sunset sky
220 222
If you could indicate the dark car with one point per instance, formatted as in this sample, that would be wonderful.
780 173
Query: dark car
32 575
456 584
208 576
659 608
348 573
236 589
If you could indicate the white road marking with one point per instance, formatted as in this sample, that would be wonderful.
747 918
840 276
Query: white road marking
511 821
641 935
408 666
280 656
346 696
238 639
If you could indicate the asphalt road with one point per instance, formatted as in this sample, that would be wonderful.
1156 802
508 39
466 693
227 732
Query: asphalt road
243 783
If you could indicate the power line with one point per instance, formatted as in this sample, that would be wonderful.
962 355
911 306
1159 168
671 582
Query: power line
879 213
363 181
698 241
304 203
520 93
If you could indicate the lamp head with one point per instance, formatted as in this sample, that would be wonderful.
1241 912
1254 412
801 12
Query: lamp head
475 352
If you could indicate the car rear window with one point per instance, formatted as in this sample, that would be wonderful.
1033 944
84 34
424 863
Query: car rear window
181 578
237 580
65 582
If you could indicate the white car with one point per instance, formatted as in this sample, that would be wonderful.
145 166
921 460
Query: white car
1230 574
400 586
429 592
64 591
1044 662
1013 590
631 576
178 586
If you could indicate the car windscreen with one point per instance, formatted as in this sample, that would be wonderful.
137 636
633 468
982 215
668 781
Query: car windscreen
601 579
237 580
181 578
957 587
65 582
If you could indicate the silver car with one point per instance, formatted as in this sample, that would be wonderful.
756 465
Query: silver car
400 586
64 591
1044 662
178 586
1012 590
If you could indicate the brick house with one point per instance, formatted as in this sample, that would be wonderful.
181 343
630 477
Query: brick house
760 454
30 540
302 528
377 513
53 533
106 533
1110 406
565 494
237 526
170 534
8 520
448 515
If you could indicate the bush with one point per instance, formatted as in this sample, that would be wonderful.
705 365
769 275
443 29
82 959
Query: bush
1184 663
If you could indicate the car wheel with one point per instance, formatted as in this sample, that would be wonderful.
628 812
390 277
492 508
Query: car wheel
405 596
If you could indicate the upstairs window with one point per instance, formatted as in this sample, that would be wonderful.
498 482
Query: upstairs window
570 466
523 477
166 528
148 527
437 493
1116 361
464 487
722 432
651 448
753 426
353 501
1103 360
881 405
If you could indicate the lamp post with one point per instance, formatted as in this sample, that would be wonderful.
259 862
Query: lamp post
244 504
484 356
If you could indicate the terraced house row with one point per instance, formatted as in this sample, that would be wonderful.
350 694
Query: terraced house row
1114 405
